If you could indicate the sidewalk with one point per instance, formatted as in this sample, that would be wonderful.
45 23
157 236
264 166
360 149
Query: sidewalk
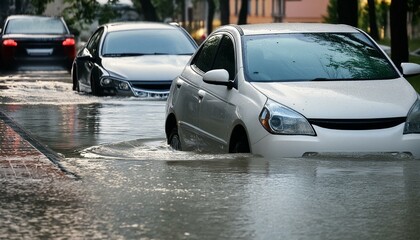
23 157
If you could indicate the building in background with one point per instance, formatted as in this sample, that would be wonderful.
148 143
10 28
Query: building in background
265 11
259 11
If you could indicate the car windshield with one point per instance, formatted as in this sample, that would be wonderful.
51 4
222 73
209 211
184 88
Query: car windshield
147 42
314 57
35 26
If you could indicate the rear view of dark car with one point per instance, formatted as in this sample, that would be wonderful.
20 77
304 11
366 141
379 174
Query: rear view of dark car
36 41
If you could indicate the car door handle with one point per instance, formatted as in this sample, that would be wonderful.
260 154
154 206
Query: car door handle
179 83
201 94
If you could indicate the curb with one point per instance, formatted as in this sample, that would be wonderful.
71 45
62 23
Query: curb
43 149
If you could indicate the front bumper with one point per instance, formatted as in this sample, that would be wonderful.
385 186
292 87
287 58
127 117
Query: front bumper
390 141
124 88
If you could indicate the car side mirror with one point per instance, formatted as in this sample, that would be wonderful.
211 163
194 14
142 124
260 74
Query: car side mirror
85 58
410 69
218 77
85 55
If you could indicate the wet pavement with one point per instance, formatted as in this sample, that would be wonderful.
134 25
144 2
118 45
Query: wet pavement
20 157
130 185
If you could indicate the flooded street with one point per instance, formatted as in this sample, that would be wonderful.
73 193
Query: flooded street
133 186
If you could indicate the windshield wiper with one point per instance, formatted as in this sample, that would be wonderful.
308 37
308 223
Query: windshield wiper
140 54
321 79
123 54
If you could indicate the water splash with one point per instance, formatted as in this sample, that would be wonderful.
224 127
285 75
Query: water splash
148 149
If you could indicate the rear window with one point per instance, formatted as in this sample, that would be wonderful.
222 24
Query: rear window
35 26
314 56
147 41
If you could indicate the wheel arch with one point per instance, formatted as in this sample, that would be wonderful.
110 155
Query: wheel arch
239 133
74 75
170 123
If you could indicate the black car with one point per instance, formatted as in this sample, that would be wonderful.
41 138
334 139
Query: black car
132 59
36 41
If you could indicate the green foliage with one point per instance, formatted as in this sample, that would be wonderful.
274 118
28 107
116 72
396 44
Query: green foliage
164 8
81 13
414 8
382 9
332 13
40 5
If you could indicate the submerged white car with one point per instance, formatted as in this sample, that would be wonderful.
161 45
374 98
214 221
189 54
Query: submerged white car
293 90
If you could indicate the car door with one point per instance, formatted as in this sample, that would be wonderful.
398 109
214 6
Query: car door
187 93
215 110
87 57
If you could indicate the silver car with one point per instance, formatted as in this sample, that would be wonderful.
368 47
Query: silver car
132 59
293 90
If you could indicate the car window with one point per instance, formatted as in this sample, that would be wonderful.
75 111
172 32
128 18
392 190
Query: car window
205 57
225 58
147 41
314 56
35 26
93 42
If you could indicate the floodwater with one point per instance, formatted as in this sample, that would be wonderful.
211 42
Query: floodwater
132 186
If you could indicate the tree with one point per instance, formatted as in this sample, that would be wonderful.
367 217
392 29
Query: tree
224 11
40 5
210 16
148 10
243 12
374 32
383 13
332 15
347 12
414 9
399 36
79 14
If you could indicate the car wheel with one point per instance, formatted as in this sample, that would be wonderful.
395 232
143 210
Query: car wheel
95 87
240 147
240 143
174 140
75 81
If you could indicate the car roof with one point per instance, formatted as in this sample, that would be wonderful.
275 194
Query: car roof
118 26
30 16
270 28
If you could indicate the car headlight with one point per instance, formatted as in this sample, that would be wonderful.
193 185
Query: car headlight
119 84
278 119
412 124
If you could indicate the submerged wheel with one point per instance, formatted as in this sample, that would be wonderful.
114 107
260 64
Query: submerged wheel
75 81
174 140
95 87
239 142
240 147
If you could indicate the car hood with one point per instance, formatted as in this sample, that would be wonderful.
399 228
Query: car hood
343 99
147 67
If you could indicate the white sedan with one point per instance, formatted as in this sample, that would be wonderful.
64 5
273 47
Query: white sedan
293 90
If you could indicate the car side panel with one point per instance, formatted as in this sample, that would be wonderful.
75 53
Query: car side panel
185 102
216 116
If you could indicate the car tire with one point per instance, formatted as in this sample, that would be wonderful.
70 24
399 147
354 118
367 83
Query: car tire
95 87
174 140
241 146
75 80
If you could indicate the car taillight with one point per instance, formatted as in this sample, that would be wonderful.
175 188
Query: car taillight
10 43
69 42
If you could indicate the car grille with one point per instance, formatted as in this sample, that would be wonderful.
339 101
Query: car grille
152 85
358 124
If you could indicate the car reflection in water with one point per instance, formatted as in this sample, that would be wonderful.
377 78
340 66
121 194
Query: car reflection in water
132 59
